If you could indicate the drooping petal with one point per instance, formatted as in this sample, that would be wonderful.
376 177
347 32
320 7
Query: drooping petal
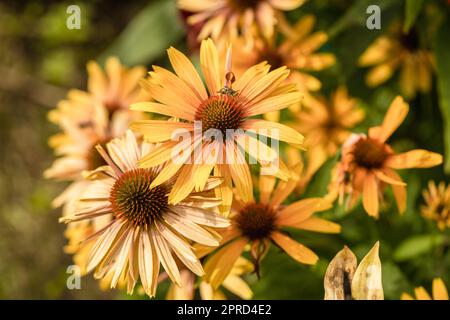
219 266
370 195
296 250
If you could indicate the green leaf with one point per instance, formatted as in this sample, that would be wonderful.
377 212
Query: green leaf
148 34
394 281
442 49
416 245
412 10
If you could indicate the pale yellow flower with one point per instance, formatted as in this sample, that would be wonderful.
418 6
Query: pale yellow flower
437 204
394 51
144 229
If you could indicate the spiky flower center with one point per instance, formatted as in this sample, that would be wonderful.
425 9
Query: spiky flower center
133 199
369 153
222 112
242 5
256 221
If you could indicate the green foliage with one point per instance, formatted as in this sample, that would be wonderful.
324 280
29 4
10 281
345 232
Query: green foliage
412 10
148 35
442 50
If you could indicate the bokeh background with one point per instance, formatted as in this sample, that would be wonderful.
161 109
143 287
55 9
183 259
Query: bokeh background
40 59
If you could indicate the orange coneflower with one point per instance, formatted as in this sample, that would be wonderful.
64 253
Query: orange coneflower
298 51
368 163
225 106
233 283
227 19
398 50
326 126
145 230
259 223
439 292
437 204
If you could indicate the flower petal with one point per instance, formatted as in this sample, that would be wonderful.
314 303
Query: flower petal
296 250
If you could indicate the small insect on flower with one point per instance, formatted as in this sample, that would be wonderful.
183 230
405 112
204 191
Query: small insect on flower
228 91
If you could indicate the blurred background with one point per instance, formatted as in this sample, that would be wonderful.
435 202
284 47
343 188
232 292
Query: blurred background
40 59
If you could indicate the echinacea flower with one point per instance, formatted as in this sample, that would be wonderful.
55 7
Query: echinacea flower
368 163
145 230
439 292
226 19
437 204
394 51
115 90
346 280
233 283
260 223
326 125
298 51
88 118
223 109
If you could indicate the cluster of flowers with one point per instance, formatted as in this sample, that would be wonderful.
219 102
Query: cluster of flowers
136 216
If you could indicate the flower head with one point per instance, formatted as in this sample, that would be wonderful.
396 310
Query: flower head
399 51
224 20
437 204
368 163
88 118
326 125
114 90
298 51
260 223
214 125
439 292
145 230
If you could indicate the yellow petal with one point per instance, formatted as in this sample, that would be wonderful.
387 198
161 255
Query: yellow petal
219 265
418 158
439 290
296 250
421 294
370 195
393 119
186 71
318 225
209 61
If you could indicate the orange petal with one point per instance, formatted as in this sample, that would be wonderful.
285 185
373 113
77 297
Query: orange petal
296 250
439 290
399 191
418 158
370 195
393 119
